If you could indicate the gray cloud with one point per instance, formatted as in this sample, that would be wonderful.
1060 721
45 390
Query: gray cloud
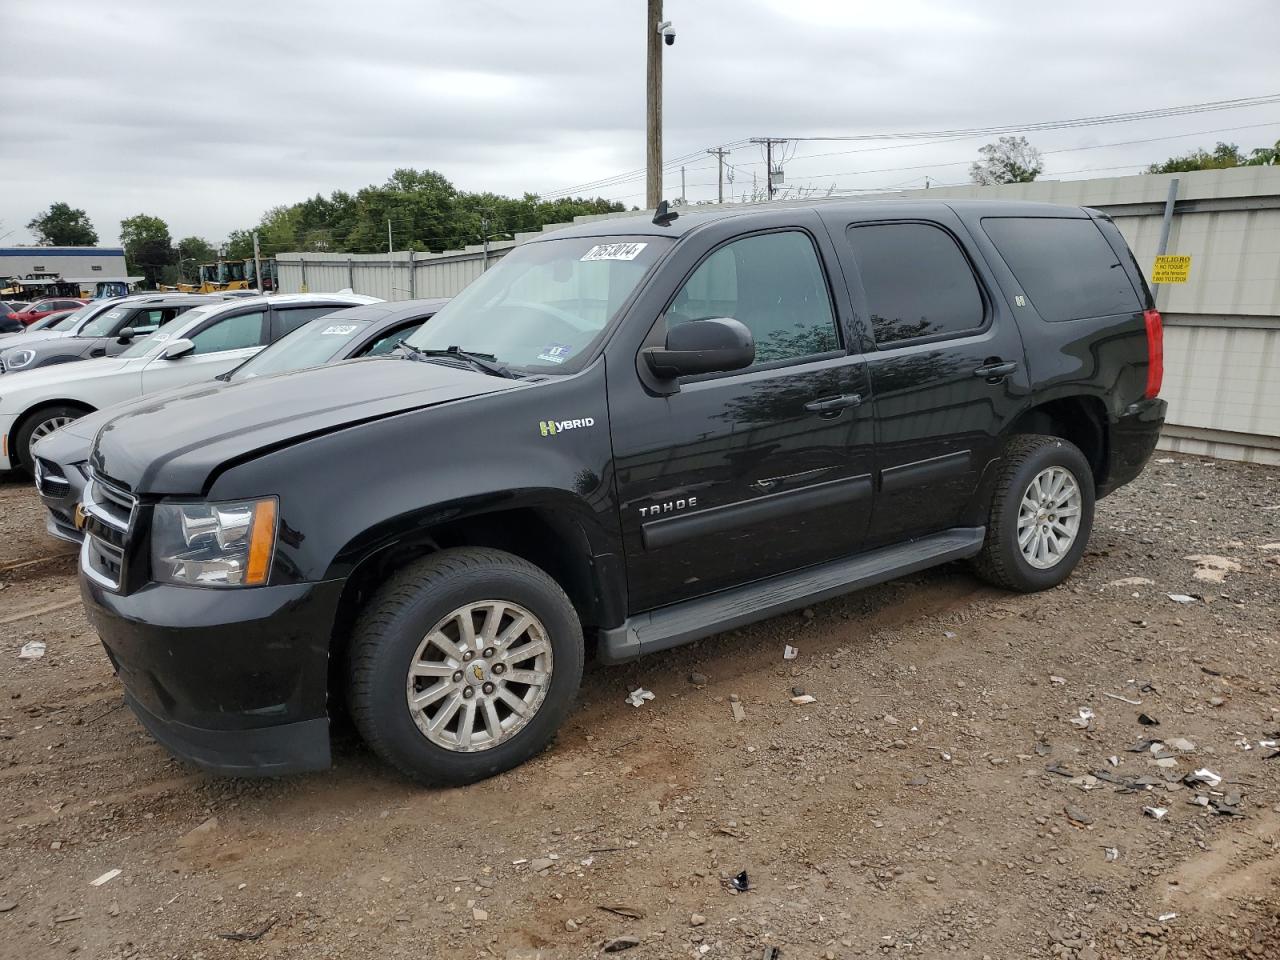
207 115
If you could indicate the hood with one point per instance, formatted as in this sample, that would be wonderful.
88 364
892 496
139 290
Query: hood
54 374
175 444
15 341
72 443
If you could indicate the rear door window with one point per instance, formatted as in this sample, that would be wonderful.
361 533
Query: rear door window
917 281
290 319
1065 266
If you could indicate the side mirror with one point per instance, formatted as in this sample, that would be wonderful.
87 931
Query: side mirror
702 346
177 348
126 335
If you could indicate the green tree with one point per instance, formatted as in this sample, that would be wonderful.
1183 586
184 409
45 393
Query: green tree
1264 156
148 248
63 226
426 211
1224 155
190 253
1008 160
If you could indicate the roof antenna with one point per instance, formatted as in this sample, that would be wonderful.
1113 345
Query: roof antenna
663 216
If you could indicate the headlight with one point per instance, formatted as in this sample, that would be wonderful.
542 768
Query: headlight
214 544
18 359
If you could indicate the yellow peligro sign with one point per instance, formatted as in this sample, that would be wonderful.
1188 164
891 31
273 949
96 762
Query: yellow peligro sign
1171 268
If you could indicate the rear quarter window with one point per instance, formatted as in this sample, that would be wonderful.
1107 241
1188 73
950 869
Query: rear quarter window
1065 266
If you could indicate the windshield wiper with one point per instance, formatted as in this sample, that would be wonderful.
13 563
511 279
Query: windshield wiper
485 362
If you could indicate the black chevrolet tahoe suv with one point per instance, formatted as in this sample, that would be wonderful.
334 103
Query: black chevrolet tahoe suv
628 434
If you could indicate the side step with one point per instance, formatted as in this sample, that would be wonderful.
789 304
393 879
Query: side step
701 617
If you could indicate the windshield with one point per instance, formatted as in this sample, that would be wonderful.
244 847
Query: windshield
545 304
313 343
141 348
84 313
105 323
63 322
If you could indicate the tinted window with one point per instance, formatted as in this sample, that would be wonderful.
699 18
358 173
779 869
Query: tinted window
385 344
918 283
1066 267
289 320
232 333
772 283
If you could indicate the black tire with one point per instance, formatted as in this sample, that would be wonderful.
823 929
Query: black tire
23 440
1001 561
395 621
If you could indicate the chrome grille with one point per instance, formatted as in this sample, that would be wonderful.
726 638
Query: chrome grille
50 480
108 514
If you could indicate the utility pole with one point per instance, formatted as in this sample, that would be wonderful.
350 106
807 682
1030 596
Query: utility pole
653 111
257 261
484 229
768 159
719 153
683 195
389 250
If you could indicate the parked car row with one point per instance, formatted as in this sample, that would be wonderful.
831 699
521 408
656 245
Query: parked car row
631 433
60 459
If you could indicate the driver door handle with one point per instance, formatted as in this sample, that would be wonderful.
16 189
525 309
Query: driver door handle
833 404
995 371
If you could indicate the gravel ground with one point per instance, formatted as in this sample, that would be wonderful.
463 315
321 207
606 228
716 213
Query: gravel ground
942 797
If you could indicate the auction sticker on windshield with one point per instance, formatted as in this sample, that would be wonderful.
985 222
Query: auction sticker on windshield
614 251
339 330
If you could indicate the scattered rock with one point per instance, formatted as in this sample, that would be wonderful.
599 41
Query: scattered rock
1076 815
541 863
1211 568
618 944
698 679
697 920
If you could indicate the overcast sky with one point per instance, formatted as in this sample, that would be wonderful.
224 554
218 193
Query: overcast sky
207 114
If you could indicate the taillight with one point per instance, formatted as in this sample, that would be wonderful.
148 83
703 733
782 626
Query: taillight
1155 353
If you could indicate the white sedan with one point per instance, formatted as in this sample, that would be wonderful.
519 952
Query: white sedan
199 345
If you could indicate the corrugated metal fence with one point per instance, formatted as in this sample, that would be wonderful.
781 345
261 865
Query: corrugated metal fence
1222 337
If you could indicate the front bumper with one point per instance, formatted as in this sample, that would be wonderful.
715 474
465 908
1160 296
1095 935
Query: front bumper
7 441
233 681
1133 439
61 488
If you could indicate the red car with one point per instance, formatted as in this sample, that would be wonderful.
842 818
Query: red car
42 308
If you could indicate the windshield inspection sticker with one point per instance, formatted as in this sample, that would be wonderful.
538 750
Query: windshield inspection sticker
555 352
614 251
339 330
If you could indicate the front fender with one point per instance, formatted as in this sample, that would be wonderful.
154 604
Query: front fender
362 489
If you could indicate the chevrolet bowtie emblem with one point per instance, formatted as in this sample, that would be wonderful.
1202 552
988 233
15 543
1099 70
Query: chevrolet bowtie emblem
479 672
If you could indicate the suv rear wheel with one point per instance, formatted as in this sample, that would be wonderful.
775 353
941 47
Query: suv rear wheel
464 665
1041 515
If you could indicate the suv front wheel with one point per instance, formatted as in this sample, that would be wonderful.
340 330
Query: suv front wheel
1041 515
464 665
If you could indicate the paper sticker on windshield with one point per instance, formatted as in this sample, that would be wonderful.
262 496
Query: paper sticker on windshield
340 330
556 352
614 251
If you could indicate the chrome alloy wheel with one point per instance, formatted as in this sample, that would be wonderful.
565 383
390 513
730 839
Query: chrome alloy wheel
1049 517
46 427
479 676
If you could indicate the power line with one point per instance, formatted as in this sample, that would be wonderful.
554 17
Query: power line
945 135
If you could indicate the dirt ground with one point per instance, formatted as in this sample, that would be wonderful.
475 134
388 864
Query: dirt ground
935 801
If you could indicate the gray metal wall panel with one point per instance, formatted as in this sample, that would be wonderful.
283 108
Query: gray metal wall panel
1222 338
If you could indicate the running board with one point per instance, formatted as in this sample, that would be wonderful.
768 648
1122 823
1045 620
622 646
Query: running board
701 617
